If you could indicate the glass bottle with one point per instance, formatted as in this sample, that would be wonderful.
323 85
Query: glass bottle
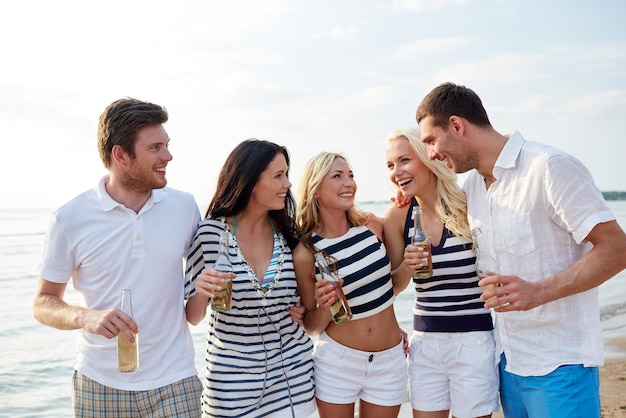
485 262
339 310
420 239
127 352
222 298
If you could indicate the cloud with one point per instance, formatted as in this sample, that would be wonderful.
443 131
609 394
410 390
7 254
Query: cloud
423 5
337 33
416 49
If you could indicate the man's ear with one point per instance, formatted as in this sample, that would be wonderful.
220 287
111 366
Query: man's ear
119 156
457 124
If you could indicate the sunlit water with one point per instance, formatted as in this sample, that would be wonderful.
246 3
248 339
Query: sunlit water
36 361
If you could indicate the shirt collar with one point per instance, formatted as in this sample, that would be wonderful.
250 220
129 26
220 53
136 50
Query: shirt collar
510 152
108 203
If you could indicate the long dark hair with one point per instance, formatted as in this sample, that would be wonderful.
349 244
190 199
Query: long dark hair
240 173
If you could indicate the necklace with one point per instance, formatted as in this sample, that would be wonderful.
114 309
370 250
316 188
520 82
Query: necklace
264 288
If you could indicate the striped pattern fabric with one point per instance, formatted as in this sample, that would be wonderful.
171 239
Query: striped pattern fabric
364 267
258 361
449 301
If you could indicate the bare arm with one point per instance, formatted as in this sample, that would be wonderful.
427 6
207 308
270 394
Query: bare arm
605 260
195 308
50 309
207 282
316 318
401 273
377 226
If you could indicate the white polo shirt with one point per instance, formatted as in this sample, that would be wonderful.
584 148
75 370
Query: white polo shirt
105 247
535 218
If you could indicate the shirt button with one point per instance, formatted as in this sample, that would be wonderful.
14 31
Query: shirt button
138 238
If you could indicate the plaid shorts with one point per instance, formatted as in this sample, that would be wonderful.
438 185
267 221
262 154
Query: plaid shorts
94 400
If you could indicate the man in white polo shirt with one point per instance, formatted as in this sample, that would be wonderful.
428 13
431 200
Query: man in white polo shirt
555 241
129 232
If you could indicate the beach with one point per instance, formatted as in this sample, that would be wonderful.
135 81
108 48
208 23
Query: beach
613 381
36 365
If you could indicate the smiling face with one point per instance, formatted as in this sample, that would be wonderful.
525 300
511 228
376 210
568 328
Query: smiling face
446 145
338 188
146 171
271 189
406 170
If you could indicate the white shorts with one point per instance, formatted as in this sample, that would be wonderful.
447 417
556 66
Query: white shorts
343 375
454 371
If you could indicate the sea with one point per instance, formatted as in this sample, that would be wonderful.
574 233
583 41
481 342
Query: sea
36 361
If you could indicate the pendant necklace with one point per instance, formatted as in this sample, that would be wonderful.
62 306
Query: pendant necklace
265 288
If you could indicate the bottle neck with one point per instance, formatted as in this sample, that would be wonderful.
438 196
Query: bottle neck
419 234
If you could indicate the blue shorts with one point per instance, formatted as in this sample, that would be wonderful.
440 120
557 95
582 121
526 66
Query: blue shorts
570 391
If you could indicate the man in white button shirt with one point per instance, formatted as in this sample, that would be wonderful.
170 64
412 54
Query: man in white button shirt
555 241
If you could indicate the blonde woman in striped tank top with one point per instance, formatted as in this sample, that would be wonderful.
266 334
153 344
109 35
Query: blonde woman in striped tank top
452 363
363 359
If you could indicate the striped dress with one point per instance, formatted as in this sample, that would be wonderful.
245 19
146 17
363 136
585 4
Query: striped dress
449 301
363 265
258 361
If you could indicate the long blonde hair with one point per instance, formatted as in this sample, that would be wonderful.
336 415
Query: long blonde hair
450 199
308 213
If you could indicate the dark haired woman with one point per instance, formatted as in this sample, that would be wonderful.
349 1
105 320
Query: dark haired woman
258 360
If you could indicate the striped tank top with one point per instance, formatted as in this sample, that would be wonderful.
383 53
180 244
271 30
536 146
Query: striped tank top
363 265
449 301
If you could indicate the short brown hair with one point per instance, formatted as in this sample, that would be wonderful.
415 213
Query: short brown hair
449 99
120 122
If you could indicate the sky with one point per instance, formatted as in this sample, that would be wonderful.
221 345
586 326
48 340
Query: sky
324 75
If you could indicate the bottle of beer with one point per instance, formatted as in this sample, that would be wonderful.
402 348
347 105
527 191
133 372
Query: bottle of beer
127 352
485 262
420 239
339 310
222 299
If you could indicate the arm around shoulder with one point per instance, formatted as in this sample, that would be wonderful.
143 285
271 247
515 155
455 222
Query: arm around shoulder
376 225
315 320
195 308
395 245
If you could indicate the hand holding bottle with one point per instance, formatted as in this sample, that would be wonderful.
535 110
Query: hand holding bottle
333 295
222 297
415 257
325 294
420 239
127 348
485 263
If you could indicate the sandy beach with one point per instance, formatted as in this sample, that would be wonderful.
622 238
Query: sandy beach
613 380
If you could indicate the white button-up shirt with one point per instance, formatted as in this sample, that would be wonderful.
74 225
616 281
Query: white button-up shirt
535 219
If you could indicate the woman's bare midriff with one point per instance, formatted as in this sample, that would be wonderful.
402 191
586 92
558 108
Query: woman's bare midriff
374 333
